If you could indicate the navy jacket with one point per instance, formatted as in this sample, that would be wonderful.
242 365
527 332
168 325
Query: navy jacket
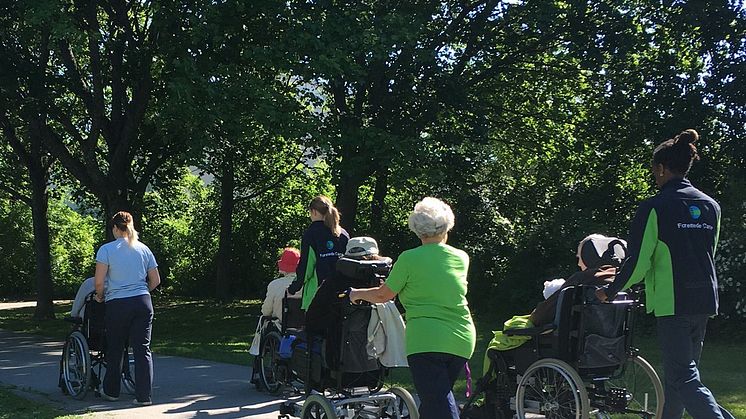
672 246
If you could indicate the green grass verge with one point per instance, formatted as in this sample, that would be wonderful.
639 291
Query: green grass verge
15 407
223 332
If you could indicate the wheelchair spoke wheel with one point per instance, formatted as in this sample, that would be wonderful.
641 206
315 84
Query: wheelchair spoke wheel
404 407
552 389
76 365
637 393
317 407
128 367
269 353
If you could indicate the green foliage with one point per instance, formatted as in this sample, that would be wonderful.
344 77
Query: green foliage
17 249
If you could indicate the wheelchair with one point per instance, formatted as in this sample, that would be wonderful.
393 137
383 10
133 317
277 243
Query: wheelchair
582 366
82 365
337 376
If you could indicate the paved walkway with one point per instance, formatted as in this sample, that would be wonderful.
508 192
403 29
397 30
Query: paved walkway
182 388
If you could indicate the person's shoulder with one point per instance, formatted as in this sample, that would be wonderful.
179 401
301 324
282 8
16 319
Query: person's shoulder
142 247
456 252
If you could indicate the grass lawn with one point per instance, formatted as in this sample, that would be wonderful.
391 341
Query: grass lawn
15 407
223 332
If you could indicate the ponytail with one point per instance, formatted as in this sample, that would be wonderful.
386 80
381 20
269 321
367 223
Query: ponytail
123 221
325 207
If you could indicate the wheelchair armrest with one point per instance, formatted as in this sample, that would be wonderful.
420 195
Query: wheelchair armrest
531 331
74 320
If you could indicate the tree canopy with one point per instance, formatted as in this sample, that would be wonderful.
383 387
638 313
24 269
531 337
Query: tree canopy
217 122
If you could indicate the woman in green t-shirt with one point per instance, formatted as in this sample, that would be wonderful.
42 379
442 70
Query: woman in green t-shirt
431 283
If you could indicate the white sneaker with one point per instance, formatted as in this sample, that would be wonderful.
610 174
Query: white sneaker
145 403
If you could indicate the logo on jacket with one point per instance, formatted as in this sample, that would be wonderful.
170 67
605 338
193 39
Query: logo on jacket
330 244
695 212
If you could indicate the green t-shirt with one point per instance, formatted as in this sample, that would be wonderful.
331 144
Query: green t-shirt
431 283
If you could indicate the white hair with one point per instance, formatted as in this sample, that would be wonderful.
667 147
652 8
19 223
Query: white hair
431 217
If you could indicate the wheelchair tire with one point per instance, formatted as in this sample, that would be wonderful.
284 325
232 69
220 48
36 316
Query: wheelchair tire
269 352
76 365
128 378
553 389
643 386
317 407
404 402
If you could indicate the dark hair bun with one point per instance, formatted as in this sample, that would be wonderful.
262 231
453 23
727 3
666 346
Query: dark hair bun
689 136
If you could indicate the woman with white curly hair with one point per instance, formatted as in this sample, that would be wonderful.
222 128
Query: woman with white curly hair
431 283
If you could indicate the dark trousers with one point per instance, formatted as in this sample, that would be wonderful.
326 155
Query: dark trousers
129 320
434 375
681 338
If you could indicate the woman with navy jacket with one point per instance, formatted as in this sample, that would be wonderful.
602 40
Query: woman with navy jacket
322 244
672 246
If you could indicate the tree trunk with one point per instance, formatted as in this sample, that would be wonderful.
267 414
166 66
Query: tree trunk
225 243
377 205
39 207
113 201
347 200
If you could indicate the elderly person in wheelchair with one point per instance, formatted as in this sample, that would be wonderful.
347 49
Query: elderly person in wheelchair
577 359
332 360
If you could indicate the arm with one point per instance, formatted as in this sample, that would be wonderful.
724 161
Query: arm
373 295
269 301
300 271
642 241
154 279
101 270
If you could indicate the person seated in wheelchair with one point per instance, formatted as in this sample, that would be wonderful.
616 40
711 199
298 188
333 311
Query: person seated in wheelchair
360 267
598 259
272 307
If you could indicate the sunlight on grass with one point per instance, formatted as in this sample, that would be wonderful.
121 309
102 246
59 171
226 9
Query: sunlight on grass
15 407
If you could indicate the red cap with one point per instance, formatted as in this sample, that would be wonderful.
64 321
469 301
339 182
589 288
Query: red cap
289 260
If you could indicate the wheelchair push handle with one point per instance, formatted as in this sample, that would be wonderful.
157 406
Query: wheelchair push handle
345 295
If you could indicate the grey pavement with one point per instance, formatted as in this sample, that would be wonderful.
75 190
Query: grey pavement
182 388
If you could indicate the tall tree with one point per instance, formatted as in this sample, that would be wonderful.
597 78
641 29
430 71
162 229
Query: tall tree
92 94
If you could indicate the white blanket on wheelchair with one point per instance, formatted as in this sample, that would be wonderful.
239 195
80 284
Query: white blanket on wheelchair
386 335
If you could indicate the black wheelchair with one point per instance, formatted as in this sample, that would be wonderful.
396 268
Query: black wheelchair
339 380
583 365
82 365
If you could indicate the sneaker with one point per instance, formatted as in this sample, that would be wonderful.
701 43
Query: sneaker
145 403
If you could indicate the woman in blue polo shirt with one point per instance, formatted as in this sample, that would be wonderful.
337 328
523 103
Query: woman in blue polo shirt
126 272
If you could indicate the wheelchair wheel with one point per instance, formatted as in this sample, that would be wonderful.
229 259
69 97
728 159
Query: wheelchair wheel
128 378
638 390
317 407
76 365
269 353
405 404
552 389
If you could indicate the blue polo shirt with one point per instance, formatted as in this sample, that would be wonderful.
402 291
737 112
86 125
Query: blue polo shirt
128 268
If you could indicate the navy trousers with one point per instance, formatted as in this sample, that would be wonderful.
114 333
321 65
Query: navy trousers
681 338
129 320
434 375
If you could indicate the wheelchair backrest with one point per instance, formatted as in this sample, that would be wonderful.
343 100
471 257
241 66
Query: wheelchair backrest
293 316
94 324
591 334
354 356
